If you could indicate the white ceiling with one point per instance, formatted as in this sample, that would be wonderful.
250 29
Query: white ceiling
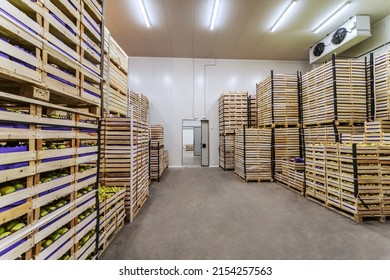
180 28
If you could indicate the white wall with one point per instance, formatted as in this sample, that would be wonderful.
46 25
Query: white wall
183 88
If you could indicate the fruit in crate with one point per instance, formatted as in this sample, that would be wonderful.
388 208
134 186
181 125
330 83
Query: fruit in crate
7 190
19 186
59 204
10 225
62 231
46 243
52 147
43 212
56 236
5 234
44 148
45 180
61 146
55 116
65 257
2 230
17 227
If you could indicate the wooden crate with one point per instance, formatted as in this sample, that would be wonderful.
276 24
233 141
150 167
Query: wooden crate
226 151
156 133
91 21
21 43
17 244
125 159
252 149
118 56
233 111
286 145
53 174
337 184
326 133
292 174
277 101
166 160
318 93
140 106
156 162
112 214
252 111
316 172
115 77
115 102
382 85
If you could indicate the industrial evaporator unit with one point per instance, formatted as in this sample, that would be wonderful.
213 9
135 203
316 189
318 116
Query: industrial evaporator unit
352 32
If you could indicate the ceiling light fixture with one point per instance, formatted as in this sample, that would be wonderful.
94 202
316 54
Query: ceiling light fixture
283 16
141 5
337 12
215 11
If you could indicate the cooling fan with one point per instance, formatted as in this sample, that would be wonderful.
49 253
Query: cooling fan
339 36
319 49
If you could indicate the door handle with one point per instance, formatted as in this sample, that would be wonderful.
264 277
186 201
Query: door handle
204 146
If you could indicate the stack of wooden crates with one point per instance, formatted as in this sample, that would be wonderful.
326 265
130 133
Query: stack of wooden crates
49 109
278 112
116 61
334 98
125 158
233 115
158 156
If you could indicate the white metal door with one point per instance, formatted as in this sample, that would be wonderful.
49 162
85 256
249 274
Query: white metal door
205 161
197 141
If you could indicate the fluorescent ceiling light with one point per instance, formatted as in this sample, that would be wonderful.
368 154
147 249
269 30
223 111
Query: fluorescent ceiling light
283 16
141 5
215 11
336 13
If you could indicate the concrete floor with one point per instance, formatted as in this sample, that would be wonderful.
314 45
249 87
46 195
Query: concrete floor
206 213
190 160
